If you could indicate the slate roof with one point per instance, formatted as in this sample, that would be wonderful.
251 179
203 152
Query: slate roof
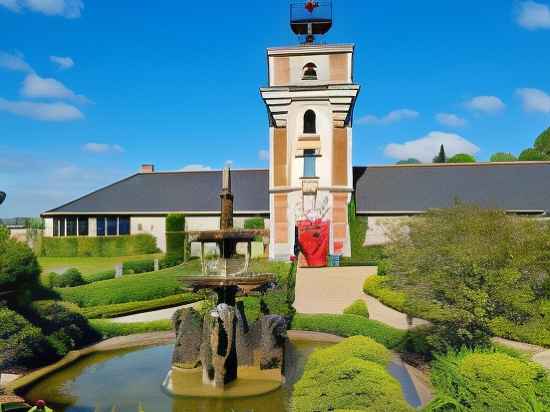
163 192
519 187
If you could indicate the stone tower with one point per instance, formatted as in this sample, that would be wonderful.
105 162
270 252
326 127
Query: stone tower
310 101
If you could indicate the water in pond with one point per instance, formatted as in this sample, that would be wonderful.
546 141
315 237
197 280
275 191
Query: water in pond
123 380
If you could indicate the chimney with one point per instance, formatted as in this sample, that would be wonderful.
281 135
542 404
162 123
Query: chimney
147 168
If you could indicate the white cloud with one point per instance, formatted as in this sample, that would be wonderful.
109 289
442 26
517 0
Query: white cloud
63 63
70 9
533 15
535 100
14 62
102 148
50 112
35 86
263 155
427 147
196 168
486 104
450 119
392 117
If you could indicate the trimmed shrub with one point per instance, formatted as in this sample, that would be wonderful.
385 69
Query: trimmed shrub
353 384
98 277
69 278
101 246
19 268
376 287
122 309
176 239
109 329
350 325
254 223
536 331
359 347
359 307
21 343
138 266
489 381
462 158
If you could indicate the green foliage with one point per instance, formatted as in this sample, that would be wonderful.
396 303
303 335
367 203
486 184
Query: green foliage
488 381
535 331
254 223
359 347
123 309
138 266
462 158
109 329
142 287
346 377
176 239
101 246
20 342
4 233
19 269
409 161
98 277
69 278
530 155
503 157
441 157
66 328
175 222
542 144
349 325
476 264
359 307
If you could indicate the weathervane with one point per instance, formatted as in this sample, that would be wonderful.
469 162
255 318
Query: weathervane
312 5
311 18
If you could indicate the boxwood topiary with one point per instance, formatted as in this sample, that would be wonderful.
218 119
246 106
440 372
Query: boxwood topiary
359 307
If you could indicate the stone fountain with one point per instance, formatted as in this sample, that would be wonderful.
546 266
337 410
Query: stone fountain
222 347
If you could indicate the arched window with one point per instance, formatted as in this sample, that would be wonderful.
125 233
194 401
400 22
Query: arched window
309 72
310 122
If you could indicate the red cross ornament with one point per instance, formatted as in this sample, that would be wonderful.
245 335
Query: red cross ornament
311 5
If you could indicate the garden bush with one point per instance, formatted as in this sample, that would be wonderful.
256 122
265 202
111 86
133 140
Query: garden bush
254 223
99 276
360 347
350 325
19 268
135 288
101 246
488 381
109 329
69 278
176 239
138 266
21 343
359 307
122 309
351 384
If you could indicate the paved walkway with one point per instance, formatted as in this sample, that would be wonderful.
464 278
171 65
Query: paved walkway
161 314
331 290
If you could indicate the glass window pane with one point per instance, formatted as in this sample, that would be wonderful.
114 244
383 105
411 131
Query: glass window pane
101 226
62 226
82 226
309 163
123 226
71 226
56 226
112 226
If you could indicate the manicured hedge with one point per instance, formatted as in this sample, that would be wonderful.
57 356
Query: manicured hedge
98 277
109 329
101 246
536 331
345 376
176 239
488 381
359 307
135 288
69 278
123 309
350 325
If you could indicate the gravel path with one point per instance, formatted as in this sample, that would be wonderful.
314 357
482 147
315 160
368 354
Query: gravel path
162 314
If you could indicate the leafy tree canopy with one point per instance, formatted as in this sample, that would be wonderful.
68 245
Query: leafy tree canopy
409 161
542 144
532 155
462 158
503 157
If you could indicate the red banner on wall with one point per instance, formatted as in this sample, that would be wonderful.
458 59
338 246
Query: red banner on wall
313 237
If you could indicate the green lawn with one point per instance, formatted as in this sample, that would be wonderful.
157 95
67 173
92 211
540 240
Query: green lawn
88 265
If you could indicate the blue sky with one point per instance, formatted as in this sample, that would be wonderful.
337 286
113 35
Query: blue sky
89 90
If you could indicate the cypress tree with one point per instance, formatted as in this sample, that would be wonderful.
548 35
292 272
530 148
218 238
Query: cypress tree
441 157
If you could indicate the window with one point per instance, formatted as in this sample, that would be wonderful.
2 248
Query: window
56 226
310 122
62 227
112 223
82 226
123 226
101 226
309 72
309 163
71 226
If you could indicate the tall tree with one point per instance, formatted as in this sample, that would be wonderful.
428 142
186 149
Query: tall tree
542 144
532 155
441 157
